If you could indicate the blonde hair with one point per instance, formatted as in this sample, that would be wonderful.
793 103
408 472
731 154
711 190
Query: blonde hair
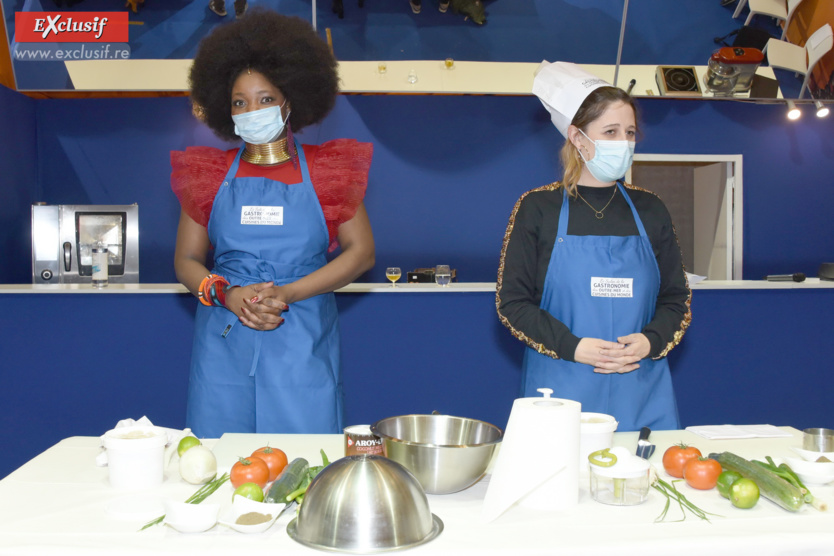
572 163
594 105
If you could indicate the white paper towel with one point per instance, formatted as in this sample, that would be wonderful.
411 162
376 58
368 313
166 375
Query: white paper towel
538 464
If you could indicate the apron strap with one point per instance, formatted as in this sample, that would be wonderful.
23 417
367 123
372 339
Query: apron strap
233 168
637 220
562 230
302 161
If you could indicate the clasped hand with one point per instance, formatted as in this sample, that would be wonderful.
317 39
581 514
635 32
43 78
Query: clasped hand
607 357
257 306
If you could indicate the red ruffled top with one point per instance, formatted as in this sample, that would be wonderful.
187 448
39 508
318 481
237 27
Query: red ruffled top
338 170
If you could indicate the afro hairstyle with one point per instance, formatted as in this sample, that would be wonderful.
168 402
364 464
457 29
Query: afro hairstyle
286 50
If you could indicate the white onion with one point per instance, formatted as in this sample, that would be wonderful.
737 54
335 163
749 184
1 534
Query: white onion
198 465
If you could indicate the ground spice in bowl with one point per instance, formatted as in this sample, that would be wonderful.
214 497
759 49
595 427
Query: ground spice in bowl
253 518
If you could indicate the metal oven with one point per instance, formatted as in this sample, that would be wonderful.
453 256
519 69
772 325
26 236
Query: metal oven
63 237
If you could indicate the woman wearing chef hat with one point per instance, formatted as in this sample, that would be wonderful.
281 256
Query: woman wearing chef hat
591 277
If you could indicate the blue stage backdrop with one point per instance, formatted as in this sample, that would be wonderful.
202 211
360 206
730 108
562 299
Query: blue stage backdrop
446 171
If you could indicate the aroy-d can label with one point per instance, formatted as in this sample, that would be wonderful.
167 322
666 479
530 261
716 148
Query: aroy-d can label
360 441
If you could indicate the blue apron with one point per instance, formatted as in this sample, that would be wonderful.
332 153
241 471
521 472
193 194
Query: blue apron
285 380
604 287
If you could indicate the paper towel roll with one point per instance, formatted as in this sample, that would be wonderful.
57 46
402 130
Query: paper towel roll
538 464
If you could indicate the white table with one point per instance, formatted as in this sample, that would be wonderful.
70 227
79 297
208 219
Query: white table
61 503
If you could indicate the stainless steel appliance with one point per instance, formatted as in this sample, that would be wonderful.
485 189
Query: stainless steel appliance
63 237
735 64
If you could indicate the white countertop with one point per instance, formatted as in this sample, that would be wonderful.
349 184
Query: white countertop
433 77
362 287
61 503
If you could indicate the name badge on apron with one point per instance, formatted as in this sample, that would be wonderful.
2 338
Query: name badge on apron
262 216
612 287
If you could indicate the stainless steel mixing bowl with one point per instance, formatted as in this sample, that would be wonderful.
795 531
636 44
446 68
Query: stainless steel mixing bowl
446 454
364 504
818 440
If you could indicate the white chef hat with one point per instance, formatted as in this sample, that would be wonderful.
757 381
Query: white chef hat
562 87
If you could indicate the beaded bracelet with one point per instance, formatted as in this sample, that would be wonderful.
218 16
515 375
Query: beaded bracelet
208 292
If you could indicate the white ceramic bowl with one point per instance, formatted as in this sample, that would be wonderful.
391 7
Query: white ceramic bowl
812 472
241 506
191 518
810 455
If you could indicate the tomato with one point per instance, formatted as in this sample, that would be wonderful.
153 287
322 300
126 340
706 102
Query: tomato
250 491
744 493
249 470
725 481
676 457
701 473
274 458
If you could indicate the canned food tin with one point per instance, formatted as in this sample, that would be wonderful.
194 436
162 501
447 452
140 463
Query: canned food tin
360 440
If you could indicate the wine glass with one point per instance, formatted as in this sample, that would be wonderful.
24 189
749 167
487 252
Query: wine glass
442 275
393 273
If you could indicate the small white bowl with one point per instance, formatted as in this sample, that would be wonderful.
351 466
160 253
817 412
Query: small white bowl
242 505
812 472
809 455
191 518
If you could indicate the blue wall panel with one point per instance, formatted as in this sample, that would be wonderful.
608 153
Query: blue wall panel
446 172
18 184
89 360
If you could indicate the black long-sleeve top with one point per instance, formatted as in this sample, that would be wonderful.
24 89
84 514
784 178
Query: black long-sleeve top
528 244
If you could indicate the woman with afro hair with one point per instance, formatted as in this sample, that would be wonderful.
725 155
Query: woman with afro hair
266 341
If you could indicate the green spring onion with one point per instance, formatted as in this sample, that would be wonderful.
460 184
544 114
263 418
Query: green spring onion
672 493
204 492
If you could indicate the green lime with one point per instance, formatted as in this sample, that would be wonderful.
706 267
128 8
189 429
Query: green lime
250 491
725 481
744 493
186 443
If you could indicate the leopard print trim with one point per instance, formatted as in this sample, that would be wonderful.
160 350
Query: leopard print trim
518 334
539 347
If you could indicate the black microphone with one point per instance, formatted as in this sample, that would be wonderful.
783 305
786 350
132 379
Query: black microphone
797 277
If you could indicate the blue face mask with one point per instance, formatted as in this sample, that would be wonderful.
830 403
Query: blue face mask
612 159
260 126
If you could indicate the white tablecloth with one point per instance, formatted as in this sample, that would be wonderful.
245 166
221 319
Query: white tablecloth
61 503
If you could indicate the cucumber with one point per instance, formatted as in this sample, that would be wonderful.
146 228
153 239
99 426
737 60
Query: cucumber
288 481
771 486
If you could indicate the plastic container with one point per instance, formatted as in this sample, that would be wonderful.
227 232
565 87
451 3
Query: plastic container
135 457
596 432
626 483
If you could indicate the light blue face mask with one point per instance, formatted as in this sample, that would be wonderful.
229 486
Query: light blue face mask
612 159
260 126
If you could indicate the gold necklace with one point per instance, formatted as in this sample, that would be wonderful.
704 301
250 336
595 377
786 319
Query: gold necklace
268 154
598 213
